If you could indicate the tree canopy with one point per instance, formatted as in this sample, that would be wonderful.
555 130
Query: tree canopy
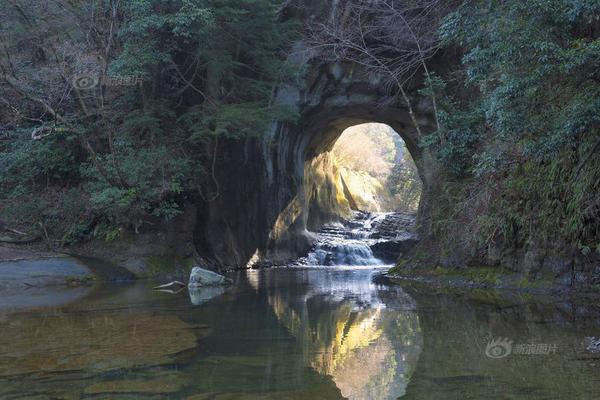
128 100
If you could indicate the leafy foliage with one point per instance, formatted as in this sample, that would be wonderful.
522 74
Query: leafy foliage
529 141
126 153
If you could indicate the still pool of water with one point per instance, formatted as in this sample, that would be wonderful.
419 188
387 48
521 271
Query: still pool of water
311 333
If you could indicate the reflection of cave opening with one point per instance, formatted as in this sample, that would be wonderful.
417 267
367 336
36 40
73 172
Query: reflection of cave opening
376 169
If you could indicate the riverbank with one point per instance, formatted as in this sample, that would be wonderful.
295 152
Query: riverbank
157 254
13 252
486 278
55 269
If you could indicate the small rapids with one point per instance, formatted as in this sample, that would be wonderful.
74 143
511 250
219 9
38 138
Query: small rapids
350 243
342 253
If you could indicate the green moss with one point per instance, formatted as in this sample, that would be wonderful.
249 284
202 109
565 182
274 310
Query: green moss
400 264
168 263
481 275
485 275
445 252
438 270
526 283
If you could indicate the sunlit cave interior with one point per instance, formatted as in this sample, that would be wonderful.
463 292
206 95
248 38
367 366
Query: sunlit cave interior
364 191
377 169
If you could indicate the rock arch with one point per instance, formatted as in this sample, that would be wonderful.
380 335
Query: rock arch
265 183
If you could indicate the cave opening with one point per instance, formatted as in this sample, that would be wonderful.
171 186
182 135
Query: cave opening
364 190
364 167
377 171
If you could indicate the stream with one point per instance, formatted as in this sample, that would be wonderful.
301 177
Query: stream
354 242
320 329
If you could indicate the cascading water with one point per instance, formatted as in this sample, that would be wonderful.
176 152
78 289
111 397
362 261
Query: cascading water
343 253
350 243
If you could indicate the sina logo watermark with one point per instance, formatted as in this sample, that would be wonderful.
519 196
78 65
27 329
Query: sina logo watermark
85 80
498 348
88 80
503 347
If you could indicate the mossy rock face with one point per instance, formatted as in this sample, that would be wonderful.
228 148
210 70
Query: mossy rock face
401 266
482 276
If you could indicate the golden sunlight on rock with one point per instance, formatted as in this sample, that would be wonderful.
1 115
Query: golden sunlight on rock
377 169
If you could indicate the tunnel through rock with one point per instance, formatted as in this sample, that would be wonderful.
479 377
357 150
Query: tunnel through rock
363 193
373 171
275 188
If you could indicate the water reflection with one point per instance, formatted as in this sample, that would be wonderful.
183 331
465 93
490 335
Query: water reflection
457 328
346 329
200 296
295 334
59 352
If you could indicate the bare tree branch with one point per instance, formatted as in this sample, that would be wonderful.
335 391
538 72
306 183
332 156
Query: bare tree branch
393 39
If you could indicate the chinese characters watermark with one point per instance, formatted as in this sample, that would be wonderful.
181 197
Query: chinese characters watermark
503 347
90 80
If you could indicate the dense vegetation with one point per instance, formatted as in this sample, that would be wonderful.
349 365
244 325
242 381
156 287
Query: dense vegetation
113 110
524 143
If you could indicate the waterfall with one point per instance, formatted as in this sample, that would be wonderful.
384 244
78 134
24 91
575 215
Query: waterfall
344 244
342 253
351 242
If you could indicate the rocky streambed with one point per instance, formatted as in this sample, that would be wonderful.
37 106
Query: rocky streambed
367 238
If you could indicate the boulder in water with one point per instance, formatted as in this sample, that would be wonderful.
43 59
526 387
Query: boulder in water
202 277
